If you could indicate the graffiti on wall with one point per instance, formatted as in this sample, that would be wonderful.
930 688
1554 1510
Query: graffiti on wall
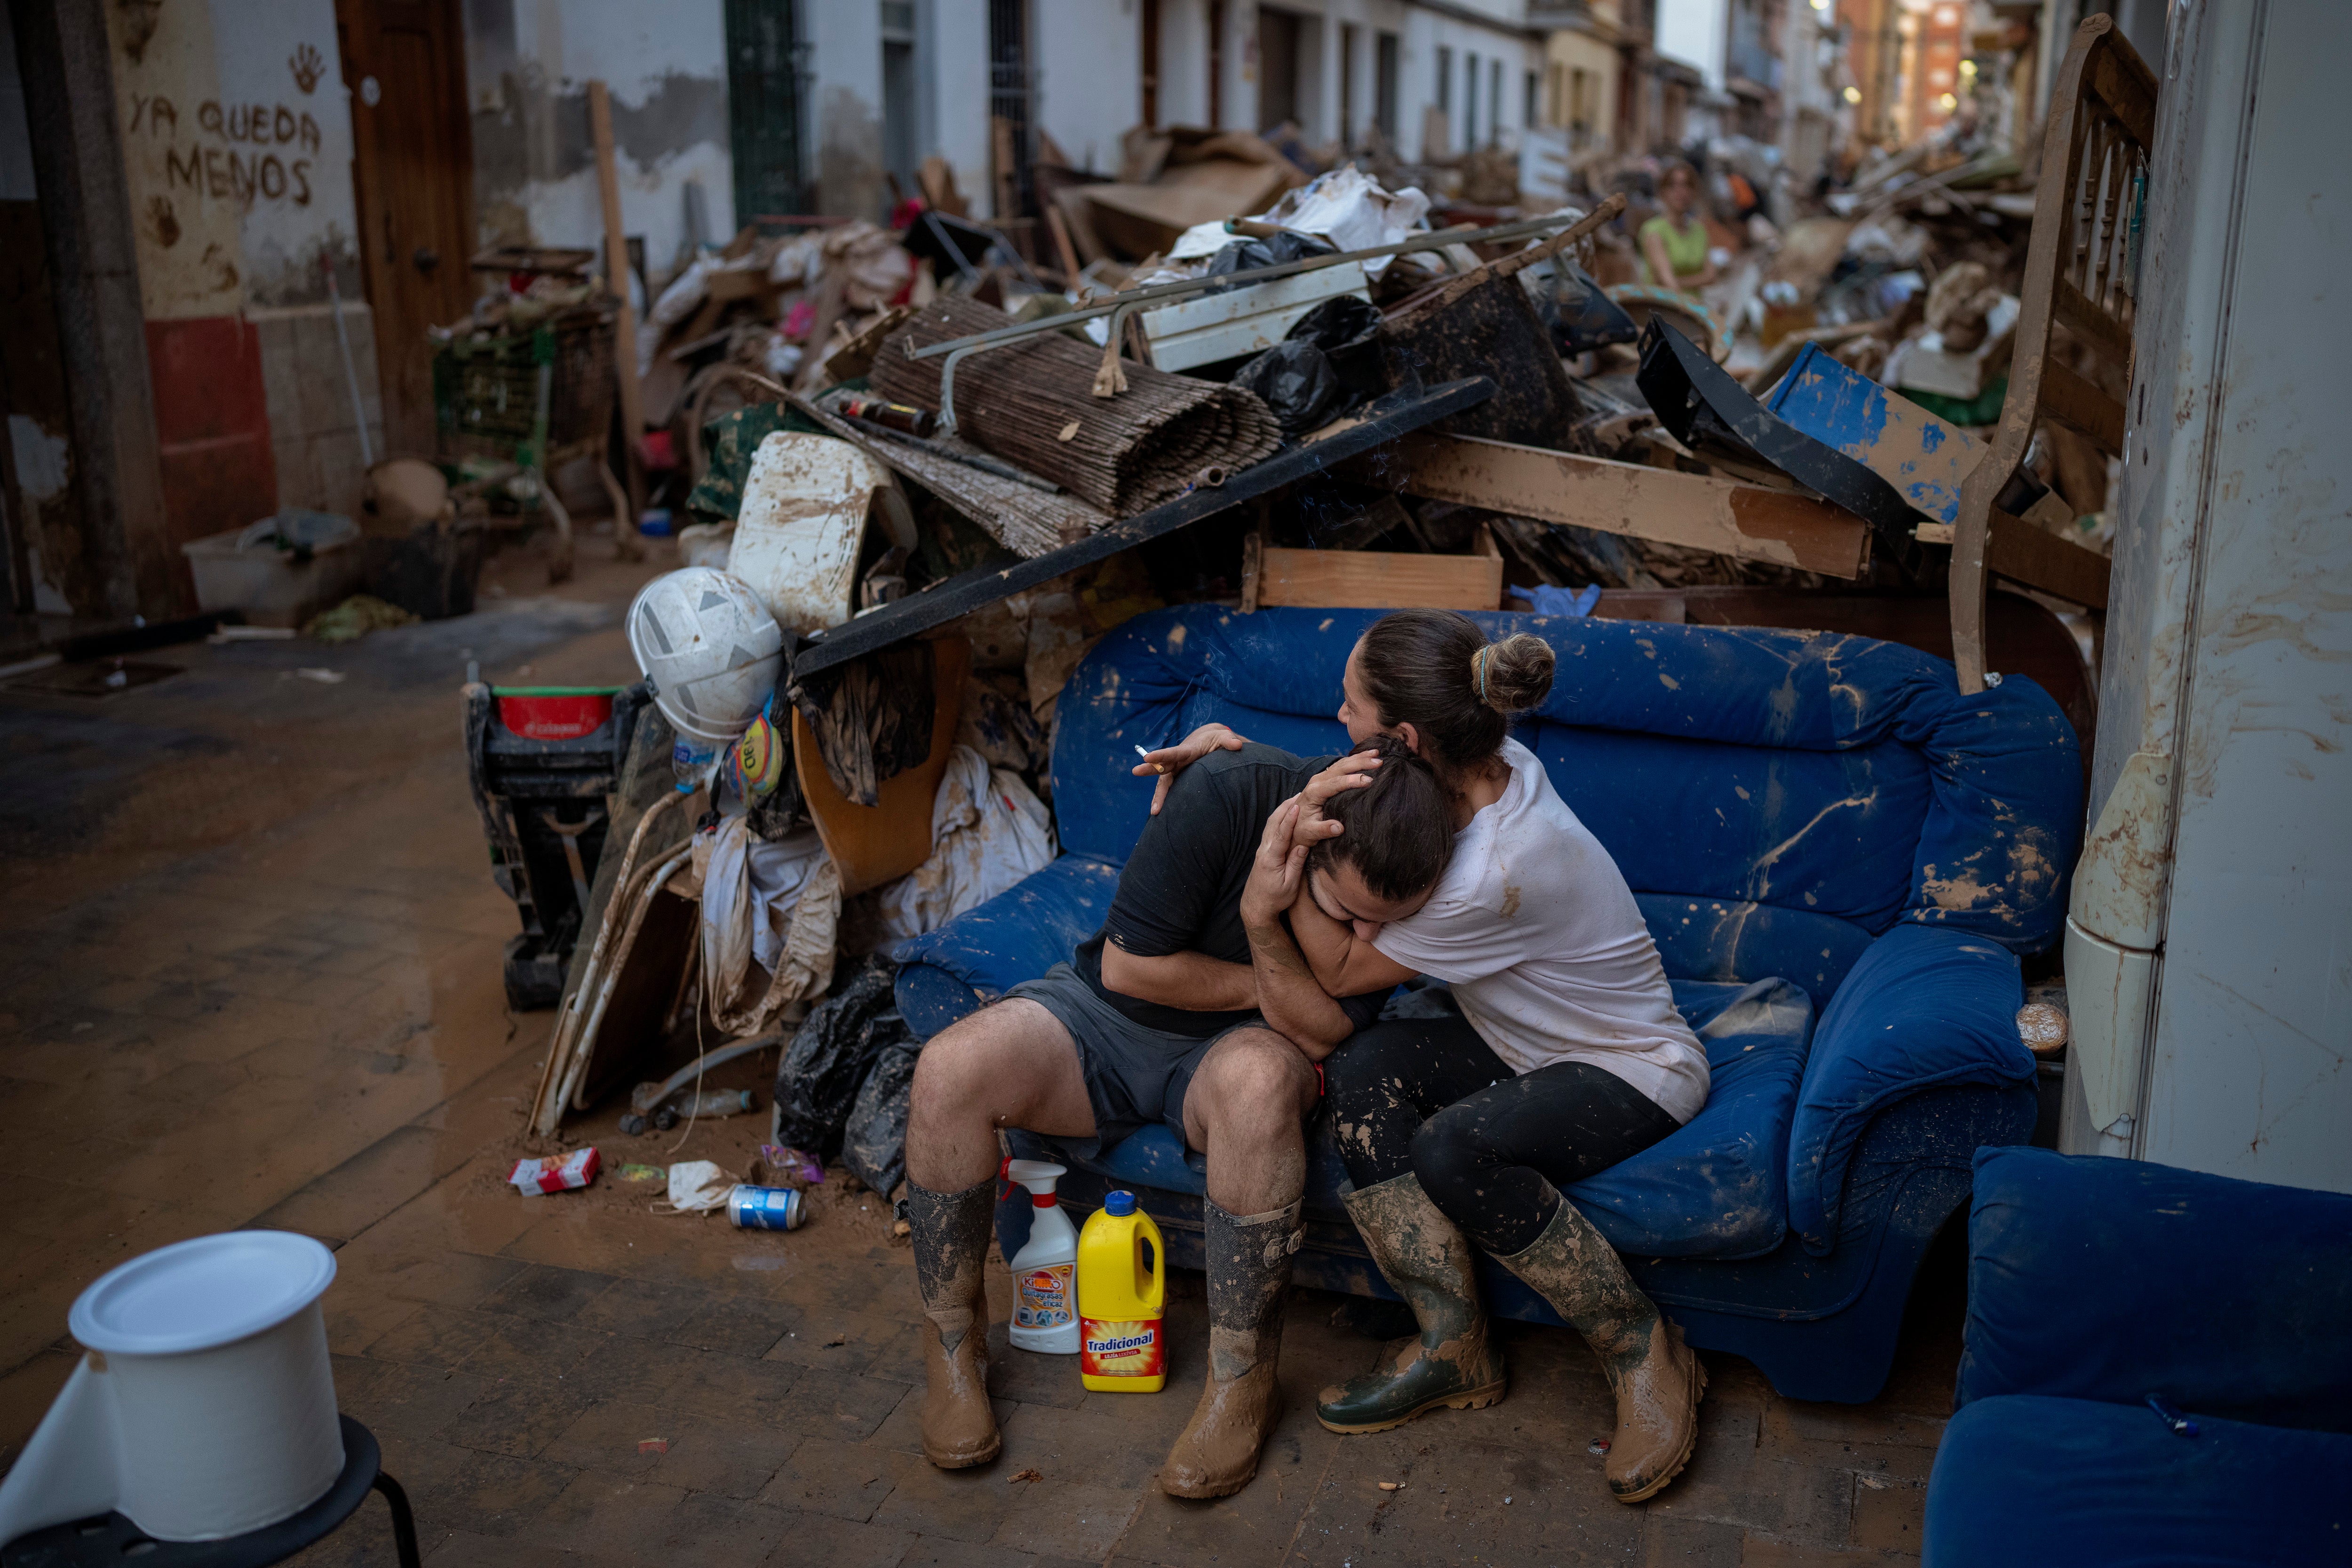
239 153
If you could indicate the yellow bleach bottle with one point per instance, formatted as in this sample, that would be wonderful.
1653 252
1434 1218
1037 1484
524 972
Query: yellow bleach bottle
1122 1291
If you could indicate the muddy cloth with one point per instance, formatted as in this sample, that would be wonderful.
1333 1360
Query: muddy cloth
871 717
1182 889
817 1082
1492 1149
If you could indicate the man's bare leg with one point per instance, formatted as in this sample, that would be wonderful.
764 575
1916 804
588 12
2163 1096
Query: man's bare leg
1011 1065
1246 1111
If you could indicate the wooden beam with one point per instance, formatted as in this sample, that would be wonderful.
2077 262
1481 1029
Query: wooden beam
2092 324
625 336
2067 395
1381 580
2025 552
1699 511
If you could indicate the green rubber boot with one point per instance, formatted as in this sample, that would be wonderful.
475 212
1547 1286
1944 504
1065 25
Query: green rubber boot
1453 1362
1657 1381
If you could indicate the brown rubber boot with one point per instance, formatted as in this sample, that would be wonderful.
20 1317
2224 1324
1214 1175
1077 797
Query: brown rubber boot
951 1236
1657 1381
1455 1362
1249 1274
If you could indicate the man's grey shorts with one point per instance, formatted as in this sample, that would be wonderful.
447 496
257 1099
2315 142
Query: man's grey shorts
1134 1075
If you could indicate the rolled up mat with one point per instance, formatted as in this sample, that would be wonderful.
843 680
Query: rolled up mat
1129 453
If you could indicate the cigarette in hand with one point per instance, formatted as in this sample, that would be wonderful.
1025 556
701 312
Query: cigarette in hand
1156 767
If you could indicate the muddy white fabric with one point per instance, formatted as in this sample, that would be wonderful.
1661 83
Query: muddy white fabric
988 832
1547 951
696 1185
1345 207
772 905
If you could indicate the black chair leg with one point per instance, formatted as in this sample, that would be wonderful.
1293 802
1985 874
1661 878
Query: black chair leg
403 1526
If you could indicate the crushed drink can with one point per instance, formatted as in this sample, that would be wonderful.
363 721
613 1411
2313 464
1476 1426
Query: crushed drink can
765 1209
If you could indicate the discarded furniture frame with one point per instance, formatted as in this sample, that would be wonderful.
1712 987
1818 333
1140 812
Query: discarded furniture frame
1702 511
2079 272
1120 306
1382 420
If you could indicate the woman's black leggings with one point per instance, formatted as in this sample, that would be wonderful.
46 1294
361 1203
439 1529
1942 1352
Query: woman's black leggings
1492 1148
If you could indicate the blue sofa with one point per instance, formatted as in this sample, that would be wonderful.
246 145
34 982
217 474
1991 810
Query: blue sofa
1841 857
2094 1284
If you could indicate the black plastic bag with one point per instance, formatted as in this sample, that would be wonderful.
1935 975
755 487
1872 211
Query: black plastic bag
1579 314
828 1059
1296 379
1248 255
1347 328
875 1148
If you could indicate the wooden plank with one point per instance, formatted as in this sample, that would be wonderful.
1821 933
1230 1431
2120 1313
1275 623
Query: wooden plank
2092 325
1699 511
624 336
1382 580
2026 554
2066 394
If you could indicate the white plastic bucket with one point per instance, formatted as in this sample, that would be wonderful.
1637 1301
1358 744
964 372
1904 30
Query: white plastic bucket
205 1408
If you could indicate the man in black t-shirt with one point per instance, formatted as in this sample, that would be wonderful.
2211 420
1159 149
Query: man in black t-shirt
1193 1006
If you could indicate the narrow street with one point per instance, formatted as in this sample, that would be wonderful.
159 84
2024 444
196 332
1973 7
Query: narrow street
253 980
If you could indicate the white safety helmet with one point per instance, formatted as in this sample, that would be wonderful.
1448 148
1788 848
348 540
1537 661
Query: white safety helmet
711 648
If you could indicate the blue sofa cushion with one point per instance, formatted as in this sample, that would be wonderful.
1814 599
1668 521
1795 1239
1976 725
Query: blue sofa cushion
1713 1189
1926 1007
2031 1478
1709 938
992 947
1717 1187
2110 1279
1807 774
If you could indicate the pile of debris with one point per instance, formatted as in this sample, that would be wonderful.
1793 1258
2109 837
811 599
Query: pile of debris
1246 372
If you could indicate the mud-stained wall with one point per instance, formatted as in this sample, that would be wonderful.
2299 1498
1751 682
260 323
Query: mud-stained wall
528 65
236 140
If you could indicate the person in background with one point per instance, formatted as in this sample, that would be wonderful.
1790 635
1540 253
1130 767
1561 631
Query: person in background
1567 1055
1674 242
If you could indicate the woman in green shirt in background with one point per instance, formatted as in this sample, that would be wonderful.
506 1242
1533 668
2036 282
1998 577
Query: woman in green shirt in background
1674 243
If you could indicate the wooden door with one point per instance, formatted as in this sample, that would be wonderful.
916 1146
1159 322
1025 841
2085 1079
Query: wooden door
404 62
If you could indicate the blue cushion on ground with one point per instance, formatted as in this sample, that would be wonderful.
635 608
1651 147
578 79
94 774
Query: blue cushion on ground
1927 1008
2031 1478
2112 1278
1718 1187
993 946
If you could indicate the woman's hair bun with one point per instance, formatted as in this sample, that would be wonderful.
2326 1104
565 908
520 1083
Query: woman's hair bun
1515 675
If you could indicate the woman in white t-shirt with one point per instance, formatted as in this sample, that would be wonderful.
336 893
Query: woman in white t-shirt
1567 1057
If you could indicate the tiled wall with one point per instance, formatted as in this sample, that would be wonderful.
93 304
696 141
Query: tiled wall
313 431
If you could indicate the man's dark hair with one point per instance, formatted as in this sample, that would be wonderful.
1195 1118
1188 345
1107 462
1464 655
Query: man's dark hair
1399 828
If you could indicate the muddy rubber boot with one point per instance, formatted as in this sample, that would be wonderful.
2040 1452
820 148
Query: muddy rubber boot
1657 1381
951 1236
1249 1275
1453 1362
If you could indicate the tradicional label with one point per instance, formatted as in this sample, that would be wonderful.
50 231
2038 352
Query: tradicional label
1045 1300
1120 1347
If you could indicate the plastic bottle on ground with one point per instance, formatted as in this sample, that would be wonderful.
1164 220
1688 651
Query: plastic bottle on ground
1122 1293
1046 1306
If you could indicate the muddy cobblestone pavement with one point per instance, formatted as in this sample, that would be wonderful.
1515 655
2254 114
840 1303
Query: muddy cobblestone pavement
251 977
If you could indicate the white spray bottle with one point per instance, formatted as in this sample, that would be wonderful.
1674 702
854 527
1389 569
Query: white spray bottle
1044 1272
